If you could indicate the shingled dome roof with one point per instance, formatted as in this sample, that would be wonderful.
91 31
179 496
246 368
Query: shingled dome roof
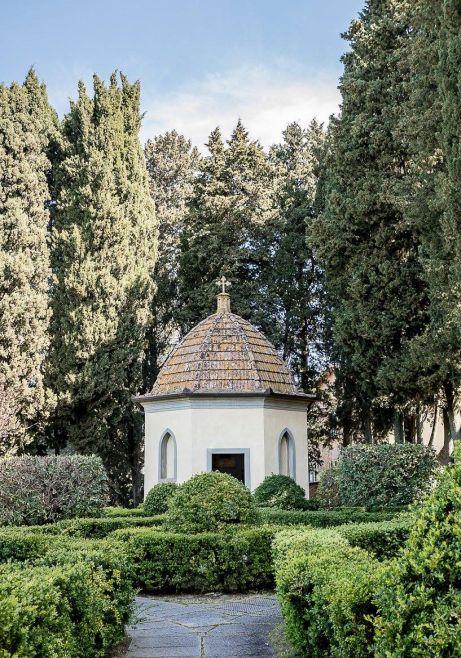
224 354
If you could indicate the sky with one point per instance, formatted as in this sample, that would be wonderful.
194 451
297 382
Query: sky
201 63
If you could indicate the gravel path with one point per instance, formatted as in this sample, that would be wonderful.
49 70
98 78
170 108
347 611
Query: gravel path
209 626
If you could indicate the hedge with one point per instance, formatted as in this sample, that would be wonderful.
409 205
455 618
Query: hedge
281 492
227 561
420 598
102 527
321 519
15 544
326 598
385 475
294 542
36 490
124 511
67 611
383 540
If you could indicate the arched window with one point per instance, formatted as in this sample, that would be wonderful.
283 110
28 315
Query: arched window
287 458
167 470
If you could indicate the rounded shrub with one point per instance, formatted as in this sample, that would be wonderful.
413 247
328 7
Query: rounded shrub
328 494
158 497
280 491
210 502
419 602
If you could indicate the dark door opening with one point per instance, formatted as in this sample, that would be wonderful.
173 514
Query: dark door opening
232 464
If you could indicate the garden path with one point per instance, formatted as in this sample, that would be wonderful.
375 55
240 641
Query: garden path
208 626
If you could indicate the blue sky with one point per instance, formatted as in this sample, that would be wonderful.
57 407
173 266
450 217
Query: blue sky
200 62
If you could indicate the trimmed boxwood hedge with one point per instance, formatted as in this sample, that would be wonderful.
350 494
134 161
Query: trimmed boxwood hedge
227 561
320 518
383 540
69 611
101 527
326 598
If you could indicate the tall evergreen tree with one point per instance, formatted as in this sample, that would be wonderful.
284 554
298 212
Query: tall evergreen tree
293 281
226 228
104 246
367 247
172 162
26 122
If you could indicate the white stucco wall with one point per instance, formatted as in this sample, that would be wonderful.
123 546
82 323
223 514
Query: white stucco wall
203 424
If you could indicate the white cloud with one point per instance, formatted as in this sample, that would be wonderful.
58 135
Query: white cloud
265 100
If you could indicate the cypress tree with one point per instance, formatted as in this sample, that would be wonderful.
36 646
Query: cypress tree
226 228
368 248
293 281
171 162
26 123
104 246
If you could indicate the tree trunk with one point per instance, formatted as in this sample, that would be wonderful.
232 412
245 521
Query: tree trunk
434 424
398 426
444 454
450 409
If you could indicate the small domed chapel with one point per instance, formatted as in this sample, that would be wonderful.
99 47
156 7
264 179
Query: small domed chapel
225 401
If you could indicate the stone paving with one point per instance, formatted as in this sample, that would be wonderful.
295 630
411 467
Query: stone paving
209 626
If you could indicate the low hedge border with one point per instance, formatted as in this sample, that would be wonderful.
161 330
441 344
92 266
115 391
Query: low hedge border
383 540
226 561
68 611
321 519
99 528
327 601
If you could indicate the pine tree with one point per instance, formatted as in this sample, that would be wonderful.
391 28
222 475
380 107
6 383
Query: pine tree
368 248
26 123
104 246
226 228
171 163
293 281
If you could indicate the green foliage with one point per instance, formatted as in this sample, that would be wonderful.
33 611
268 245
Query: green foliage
239 559
384 539
210 502
156 501
102 527
16 544
386 475
172 163
39 608
36 490
103 255
279 491
293 542
326 600
328 490
124 511
26 123
419 600
363 239
321 518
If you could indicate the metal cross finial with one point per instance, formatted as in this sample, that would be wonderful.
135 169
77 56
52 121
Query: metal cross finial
224 283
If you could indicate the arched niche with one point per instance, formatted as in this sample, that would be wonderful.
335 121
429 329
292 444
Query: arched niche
287 454
167 457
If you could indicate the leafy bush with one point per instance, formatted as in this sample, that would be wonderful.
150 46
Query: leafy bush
101 527
15 544
326 600
210 502
321 518
36 490
124 511
228 561
420 597
63 611
311 504
328 490
157 498
380 476
383 540
300 541
279 491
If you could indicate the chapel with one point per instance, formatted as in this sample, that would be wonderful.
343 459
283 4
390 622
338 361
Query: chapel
225 401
